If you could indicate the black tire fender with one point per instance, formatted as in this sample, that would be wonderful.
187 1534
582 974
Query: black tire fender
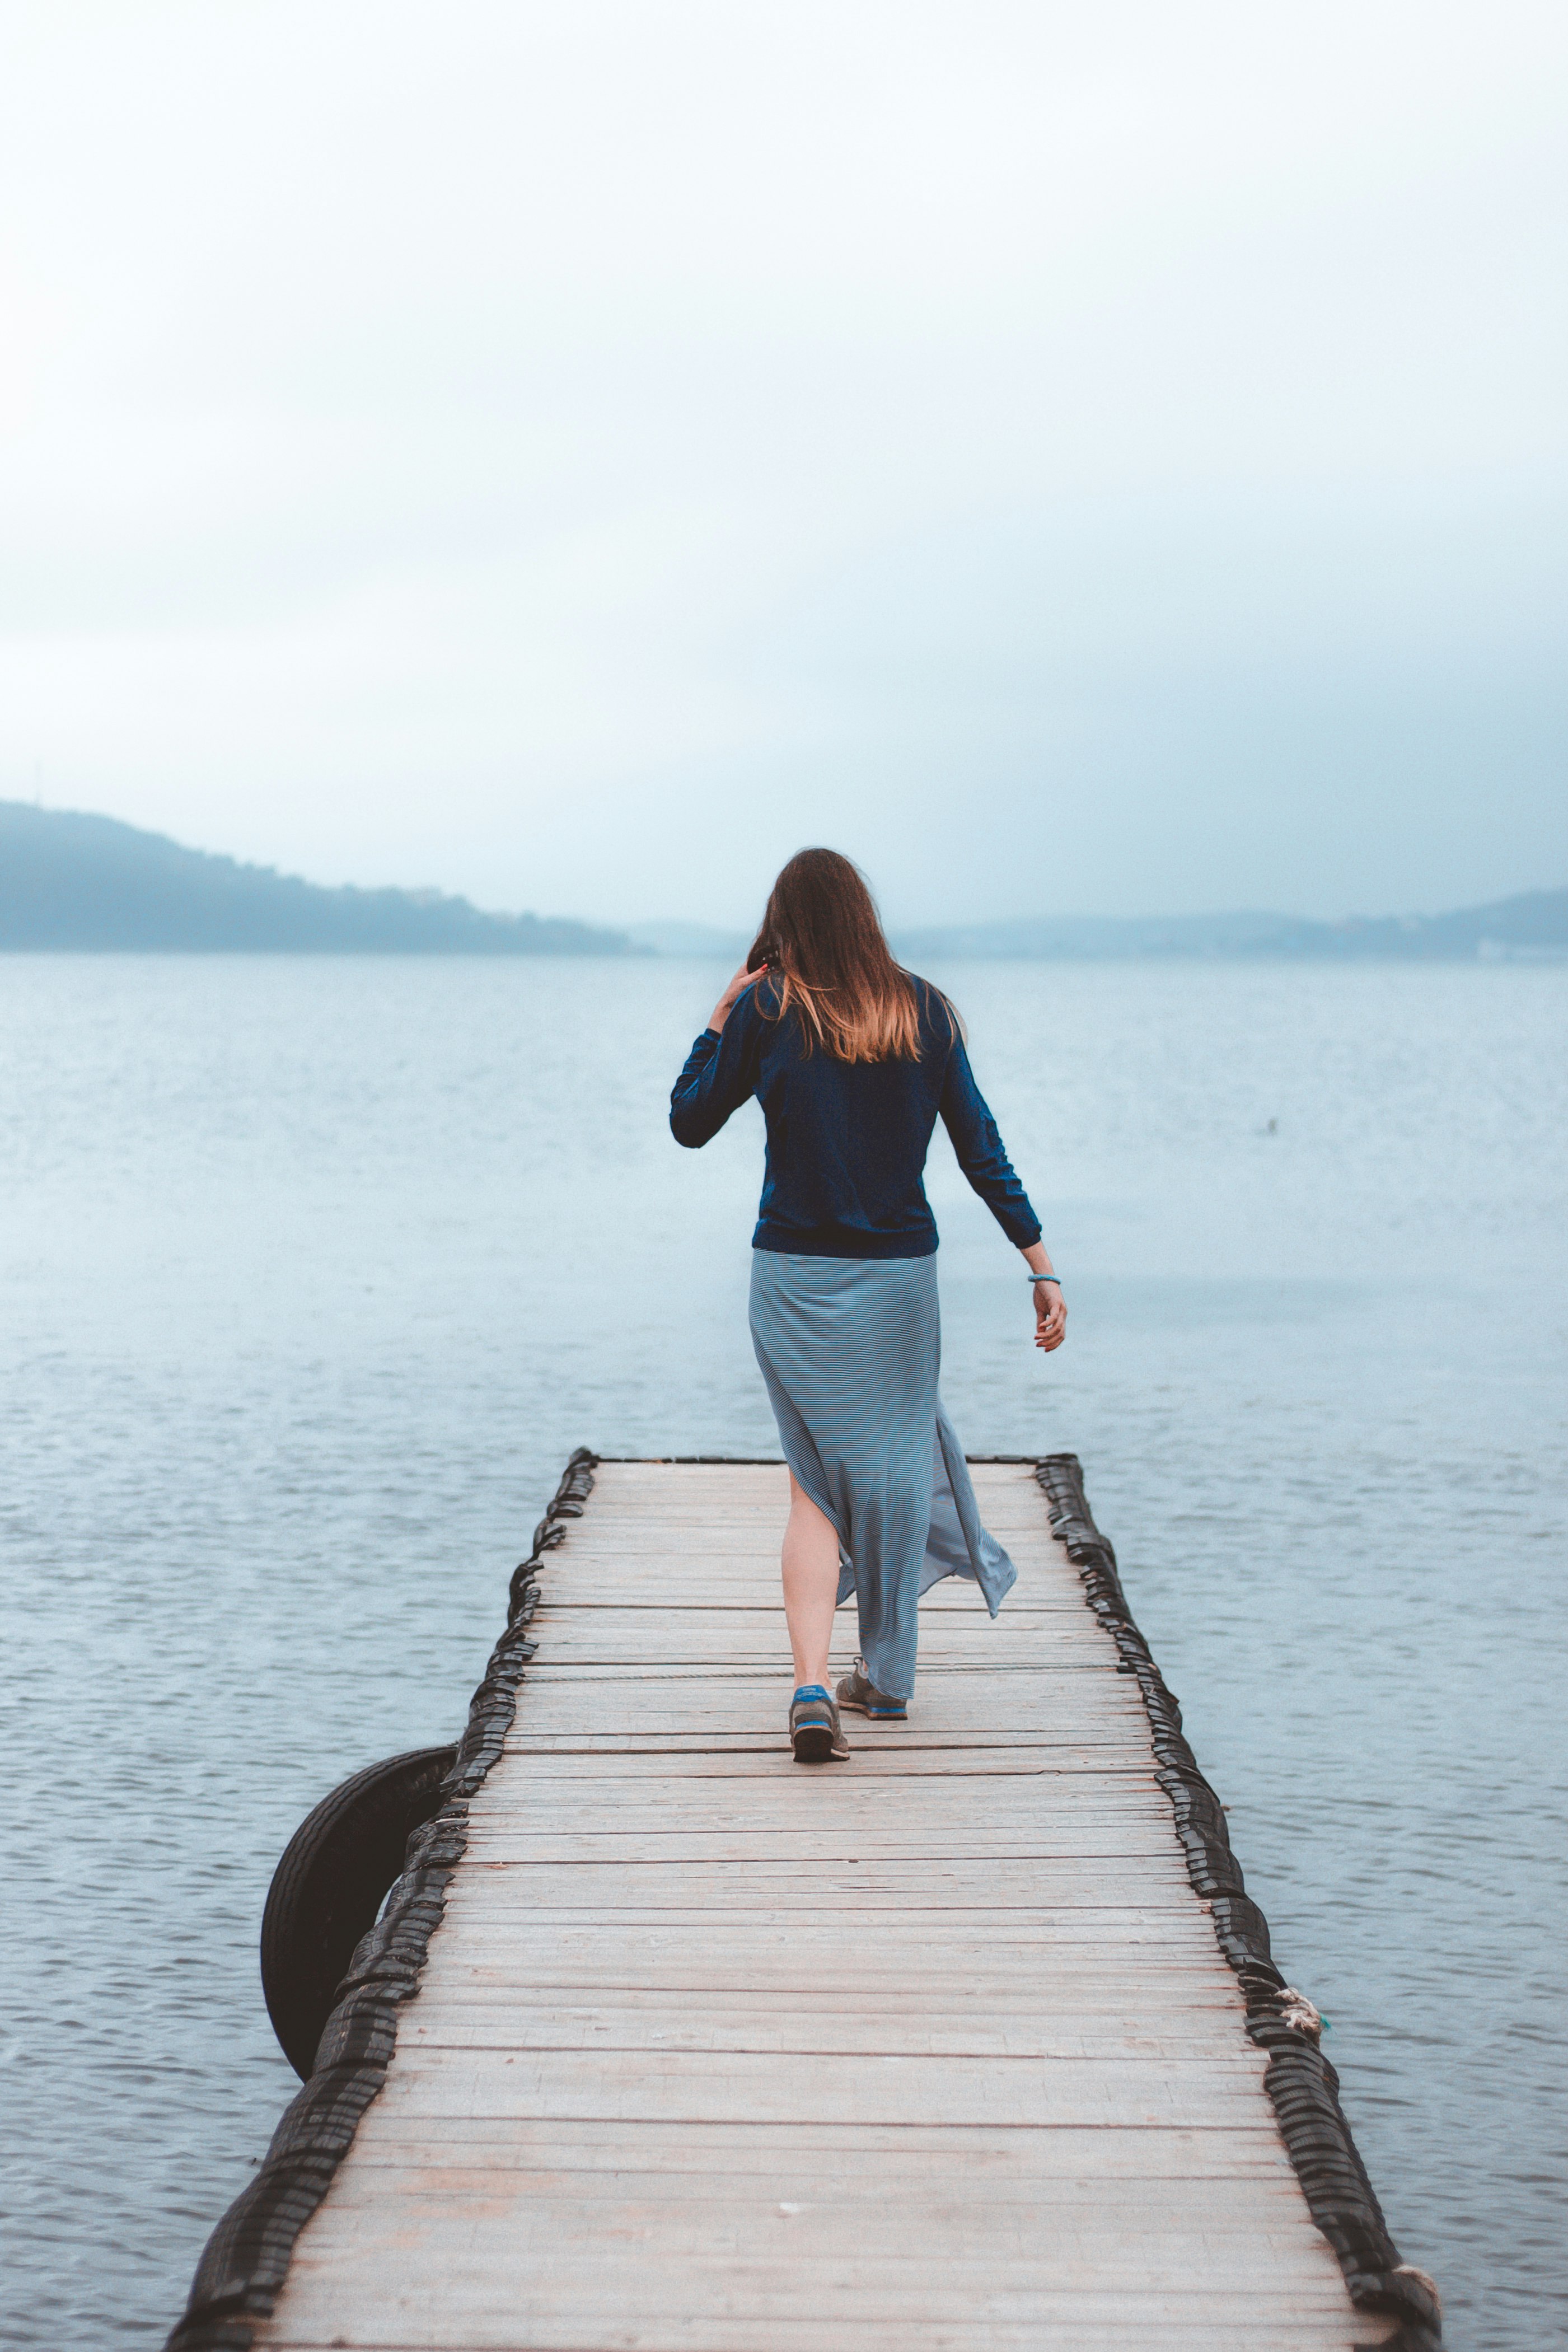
328 1888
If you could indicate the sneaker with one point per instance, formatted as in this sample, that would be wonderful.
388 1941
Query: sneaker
814 1732
860 1693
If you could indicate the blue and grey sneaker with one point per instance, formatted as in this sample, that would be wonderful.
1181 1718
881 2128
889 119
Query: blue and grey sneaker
814 1732
858 1692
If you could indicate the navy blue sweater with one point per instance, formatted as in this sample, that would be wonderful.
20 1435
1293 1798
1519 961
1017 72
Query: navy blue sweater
847 1140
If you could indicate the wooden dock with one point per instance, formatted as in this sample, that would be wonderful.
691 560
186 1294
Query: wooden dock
713 2052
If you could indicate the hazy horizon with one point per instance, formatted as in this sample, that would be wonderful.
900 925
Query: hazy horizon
1102 465
649 924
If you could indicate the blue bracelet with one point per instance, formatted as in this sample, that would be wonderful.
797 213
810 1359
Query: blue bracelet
1045 1277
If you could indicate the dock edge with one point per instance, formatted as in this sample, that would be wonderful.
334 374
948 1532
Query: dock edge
246 2259
248 2256
1300 2080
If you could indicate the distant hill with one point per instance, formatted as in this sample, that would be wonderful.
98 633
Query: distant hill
69 880
690 939
1532 927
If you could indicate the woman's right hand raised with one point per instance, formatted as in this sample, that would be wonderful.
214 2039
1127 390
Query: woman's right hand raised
722 1010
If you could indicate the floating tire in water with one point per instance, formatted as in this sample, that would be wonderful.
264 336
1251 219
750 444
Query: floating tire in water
328 1887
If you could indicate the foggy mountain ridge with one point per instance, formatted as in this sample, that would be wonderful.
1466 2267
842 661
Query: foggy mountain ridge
71 881
1534 926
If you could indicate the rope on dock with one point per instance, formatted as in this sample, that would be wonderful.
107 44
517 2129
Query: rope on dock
1299 2079
248 2256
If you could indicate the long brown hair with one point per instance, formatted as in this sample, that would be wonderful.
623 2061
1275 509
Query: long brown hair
823 940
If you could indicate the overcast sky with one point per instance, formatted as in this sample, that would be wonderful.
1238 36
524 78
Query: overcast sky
1095 459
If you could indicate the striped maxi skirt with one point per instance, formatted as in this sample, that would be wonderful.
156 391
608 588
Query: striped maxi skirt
850 1348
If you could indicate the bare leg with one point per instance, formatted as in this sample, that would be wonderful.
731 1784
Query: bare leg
811 1564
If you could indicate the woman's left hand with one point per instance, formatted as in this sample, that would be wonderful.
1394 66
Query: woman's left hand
726 1005
1050 1316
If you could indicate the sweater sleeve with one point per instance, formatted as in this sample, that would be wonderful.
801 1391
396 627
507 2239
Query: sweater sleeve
981 1151
720 1073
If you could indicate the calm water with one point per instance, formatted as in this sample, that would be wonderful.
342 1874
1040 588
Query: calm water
312 1271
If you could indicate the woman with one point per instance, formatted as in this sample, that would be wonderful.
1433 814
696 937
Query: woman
854 1060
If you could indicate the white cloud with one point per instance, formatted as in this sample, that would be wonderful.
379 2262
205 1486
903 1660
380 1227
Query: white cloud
1124 443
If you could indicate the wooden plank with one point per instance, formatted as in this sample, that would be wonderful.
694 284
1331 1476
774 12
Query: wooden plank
1032 1988
540 2023
740 2086
1054 1675
586 1792
739 2300
670 1759
1071 1805
1240 2209
1144 1978
764 2250
412 2329
780 1889
690 1590
933 2049
1041 1944
582 1831
950 1755
561 1715
824 1846
701 1637
881 2156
